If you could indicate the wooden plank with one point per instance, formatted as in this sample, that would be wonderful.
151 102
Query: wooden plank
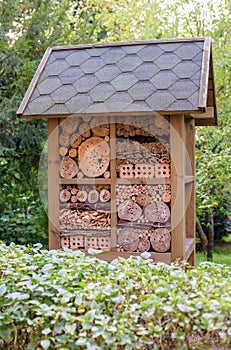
53 184
190 187
205 74
33 83
86 181
113 254
113 183
128 43
189 247
177 149
134 181
189 179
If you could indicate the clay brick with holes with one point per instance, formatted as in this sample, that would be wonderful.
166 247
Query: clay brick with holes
76 242
104 243
126 171
162 171
91 242
64 242
144 171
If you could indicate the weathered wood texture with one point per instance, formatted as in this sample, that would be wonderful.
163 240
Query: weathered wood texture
53 184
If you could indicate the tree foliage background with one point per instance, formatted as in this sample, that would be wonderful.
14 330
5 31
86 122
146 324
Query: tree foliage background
26 29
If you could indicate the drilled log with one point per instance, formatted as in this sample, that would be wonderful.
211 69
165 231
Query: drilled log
160 239
84 130
63 151
64 195
70 124
64 139
75 140
72 152
68 168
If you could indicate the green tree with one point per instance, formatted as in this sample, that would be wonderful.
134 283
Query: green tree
27 28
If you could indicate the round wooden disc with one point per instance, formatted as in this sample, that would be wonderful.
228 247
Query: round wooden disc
64 195
82 196
75 140
68 168
128 239
84 130
64 139
105 195
70 124
72 152
93 196
94 156
100 126
63 151
157 212
129 210
160 240
143 245
166 197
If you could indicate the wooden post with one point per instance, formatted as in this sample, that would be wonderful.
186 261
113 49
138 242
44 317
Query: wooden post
113 183
190 187
177 149
53 184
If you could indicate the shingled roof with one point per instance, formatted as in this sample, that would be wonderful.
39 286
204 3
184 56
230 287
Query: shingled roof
166 76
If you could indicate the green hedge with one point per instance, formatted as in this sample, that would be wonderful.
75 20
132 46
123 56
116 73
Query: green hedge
65 300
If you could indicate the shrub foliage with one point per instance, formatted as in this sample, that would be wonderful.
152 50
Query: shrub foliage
65 300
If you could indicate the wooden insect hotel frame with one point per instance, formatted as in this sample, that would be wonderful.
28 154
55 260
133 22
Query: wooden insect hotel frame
121 143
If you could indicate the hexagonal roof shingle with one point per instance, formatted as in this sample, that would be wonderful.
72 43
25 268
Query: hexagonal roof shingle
145 76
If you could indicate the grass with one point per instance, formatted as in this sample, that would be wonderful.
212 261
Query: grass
221 255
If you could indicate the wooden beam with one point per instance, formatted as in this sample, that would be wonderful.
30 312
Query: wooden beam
177 149
53 184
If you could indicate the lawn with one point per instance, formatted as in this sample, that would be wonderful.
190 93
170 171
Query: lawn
222 254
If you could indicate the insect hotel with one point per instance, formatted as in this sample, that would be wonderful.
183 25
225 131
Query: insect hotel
121 143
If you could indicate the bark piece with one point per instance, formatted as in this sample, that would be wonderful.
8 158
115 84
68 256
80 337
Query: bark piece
68 168
160 239
94 156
